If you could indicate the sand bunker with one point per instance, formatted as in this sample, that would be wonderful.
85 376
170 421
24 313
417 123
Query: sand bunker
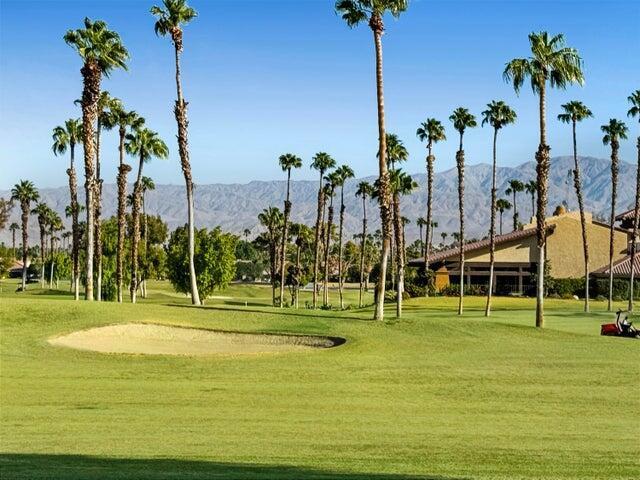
151 339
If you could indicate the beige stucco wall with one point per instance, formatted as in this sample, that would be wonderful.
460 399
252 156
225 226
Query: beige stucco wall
522 250
564 245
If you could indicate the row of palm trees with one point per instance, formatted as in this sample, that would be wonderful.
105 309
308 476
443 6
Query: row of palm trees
102 51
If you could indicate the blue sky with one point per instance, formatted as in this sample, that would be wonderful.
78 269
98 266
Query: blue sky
269 77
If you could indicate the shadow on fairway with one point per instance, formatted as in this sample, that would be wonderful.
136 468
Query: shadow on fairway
75 467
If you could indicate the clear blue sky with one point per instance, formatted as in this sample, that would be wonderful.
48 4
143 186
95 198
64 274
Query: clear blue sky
269 77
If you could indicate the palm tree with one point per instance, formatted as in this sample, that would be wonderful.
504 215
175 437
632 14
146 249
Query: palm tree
24 193
633 112
303 240
146 184
444 236
354 12
553 63
614 131
498 114
421 222
322 162
401 184
434 225
101 51
531 187
431 131
13 228
169 22
515 187
333 180
345 172
462 119
246 232
272 219
364 190
54 223
43 213
575 112
502 204
145 144
125 120
287 162
68 137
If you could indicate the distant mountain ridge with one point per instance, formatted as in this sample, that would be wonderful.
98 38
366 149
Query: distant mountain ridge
236 206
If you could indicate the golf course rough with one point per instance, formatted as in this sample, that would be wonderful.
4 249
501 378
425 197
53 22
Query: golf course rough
153 339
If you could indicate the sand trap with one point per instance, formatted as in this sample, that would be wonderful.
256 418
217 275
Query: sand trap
152 339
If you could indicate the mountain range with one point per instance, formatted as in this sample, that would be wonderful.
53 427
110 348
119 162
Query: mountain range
235 207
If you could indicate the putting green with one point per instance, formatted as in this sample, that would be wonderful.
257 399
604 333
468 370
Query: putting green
152 339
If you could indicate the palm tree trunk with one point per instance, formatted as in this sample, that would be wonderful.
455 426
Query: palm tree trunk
91 92
123 170
614 193
146 246
542 171
342 209
327 247
43 242
52 261
283 247
316 244
25 242
429 229
583 222
75 232
384 192
180 112
135 241
492 228
399 256
460 165
296 287
636 214
98 225
363 244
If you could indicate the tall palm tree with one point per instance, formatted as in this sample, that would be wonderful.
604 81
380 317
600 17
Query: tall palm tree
43 213
345 172
125 120
272 219
431 131
354 12
14 227
287 162
614 131
574 112
322 162
498 114
502 204
67 137
531 187
54 223
146 184
333 180
401 184
633 112
364 190
170 20
462 119
515 187
145 144
101 51
554 65
25 193
421 222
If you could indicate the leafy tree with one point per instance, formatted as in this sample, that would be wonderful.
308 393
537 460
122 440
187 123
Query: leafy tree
287 162
170 20
574 112
25 193
498 114
633 112
101 51
614 131
555 65
354 12
462 120
215 260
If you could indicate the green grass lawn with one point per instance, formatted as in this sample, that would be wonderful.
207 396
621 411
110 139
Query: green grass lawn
431 396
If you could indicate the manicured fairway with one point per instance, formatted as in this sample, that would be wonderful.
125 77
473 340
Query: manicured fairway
429 397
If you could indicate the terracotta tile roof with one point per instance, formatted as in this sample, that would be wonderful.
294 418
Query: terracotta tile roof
469 247
622 267
628 215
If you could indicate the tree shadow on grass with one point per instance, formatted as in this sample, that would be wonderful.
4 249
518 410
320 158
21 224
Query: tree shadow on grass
17 466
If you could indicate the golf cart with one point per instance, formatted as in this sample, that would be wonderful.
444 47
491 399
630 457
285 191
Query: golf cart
621 328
